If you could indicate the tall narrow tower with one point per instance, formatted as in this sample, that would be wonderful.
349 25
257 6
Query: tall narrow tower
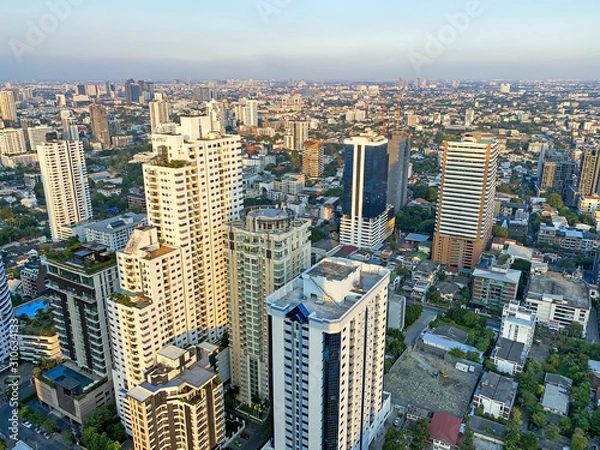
159 111
100 127
466 201
8 111
590 172
8 322
64 176
367 218
265 249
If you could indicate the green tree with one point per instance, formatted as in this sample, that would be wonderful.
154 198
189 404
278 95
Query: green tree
512 438
467 442
555 200
499 231
394 440
552 431
413 312
316 234
579 440
539 418
420 434
529 442
3 444
595 422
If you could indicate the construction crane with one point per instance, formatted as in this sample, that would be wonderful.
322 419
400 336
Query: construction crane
383 126
399 105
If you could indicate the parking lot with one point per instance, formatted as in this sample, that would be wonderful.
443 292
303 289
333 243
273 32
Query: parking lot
411 383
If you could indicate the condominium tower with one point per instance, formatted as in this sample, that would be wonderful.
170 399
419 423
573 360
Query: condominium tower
312 159
328 351
8 111
8 323
466 201
66 188
399 161
590 172
266 249
367 218
100 127
159 111
12 142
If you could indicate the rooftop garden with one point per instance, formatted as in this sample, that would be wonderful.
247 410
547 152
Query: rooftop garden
90 265
42 324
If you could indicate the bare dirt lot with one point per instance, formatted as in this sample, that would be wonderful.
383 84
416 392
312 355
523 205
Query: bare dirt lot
411 383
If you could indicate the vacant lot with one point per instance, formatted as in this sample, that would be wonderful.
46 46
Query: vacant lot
411 383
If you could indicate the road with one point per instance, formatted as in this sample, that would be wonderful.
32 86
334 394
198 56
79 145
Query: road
411 335
254 430
592 328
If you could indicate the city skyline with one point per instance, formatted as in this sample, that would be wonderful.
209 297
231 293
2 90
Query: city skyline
280 39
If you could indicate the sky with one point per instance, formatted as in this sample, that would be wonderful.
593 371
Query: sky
299 39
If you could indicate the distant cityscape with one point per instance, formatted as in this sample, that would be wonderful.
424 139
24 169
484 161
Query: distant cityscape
407 264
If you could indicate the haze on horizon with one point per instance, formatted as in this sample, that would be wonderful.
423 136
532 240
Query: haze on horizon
280 39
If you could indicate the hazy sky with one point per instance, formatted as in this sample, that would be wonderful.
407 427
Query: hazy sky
300 39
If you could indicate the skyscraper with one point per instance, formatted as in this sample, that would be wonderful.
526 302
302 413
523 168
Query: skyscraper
312 159
296 134
100 127
590 172
69 126
466 201
399 161
266 249
8 323
367 218
159 111
66 188
250 113
8 110
12 142
328 351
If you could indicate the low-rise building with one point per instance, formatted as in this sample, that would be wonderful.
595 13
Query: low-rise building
444 431
558 301
495 288
33 347
556 394
518 324
73 393
509 356
33 277
113 232
496 395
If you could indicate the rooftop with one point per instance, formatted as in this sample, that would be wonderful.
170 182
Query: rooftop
510 350
506 276
556 398
575 292
445 427
498 388
327 291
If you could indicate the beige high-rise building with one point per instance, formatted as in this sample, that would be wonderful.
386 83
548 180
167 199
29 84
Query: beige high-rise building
180 404
296 134
12 142
466 201
173 273
312 159
266 249
590 172
100 127
159 111
8 110
66 189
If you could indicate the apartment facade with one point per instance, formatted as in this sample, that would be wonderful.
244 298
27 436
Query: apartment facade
113 233
399 161
8 322
266 249
12 142
518 324
100 126
496 395
495 288
66 189
159 111
80 284
312 159
558 301
367 218
466 201
328 350
8 110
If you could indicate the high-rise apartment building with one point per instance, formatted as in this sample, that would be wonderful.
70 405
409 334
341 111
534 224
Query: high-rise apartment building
70 131
466 201
12 142
100 126
8 323
555 172
216 112
249 112
590 172
159 111
469 117
66 189
38 135
328 351
266 249
8 110
296 134
367 217
81 283
180 404
399 161
312 159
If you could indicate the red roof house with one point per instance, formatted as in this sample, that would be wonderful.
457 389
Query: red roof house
444 430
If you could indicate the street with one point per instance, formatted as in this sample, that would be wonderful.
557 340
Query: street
411 335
